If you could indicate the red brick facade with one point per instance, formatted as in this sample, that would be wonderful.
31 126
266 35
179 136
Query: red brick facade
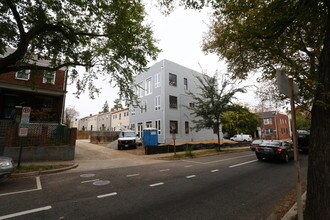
274 126
44 95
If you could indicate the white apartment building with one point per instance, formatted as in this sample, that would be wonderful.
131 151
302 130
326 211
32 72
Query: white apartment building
104 121
162 92
120 119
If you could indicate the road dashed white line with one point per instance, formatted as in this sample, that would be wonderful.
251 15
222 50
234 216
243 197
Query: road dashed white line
213 171
216 161
164 170
89 181
240 164
191 176
25 212
156 184
132 175
107 195
188 166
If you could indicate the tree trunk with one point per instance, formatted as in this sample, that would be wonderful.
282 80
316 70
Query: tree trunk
219 145
318 189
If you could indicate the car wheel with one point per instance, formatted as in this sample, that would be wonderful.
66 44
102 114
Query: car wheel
259 158
119 148
286 158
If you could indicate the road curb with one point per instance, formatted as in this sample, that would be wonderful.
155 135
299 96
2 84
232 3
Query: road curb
36 173
292 213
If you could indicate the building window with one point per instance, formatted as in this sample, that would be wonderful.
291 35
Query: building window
23 75
267 121
172 79
157 103
191 105
133 112
49 77
157 80
186 127
133 127
173 127
157 125
119 116
149 124
185 83
143 106
173 102
148 86
140 89
269 131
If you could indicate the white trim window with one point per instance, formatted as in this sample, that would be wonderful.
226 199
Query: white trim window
185 83
268 121
157 80
140 89
49 77
157 125
23 75
157 103
148 86
133 112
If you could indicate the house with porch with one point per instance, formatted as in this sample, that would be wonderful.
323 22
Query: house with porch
44 92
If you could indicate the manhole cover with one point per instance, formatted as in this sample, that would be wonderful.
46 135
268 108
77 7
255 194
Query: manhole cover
101 182
87 175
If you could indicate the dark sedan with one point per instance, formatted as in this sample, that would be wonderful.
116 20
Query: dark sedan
276 150
6 167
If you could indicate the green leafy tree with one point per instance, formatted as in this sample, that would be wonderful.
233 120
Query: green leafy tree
117 104
106 107
239 120
303 119
209 105
109 38
70 114
295 35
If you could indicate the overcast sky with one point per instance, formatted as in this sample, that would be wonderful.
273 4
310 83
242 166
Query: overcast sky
180 36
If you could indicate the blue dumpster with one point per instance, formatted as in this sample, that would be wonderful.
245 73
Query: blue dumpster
150 137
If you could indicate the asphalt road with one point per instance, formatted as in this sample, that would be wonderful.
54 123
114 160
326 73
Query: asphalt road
231 186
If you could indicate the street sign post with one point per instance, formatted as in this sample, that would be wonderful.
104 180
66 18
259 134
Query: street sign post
23 129
287 87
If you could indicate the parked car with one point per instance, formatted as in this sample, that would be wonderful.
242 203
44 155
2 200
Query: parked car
6 167
277 150
241 137
255 144
303 140
127 139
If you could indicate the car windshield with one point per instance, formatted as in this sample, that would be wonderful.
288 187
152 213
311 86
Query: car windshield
128 134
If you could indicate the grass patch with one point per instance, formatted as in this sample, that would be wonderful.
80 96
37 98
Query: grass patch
202 153
33 167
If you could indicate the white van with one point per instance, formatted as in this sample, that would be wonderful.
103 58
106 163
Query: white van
127 139
241 137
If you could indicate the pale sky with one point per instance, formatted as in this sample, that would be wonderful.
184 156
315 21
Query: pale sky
180 36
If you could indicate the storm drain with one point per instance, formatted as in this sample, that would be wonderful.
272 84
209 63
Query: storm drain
101 182
87 175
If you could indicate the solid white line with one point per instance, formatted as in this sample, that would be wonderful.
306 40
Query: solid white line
131 175
216 161
191 176
156 184
25 212
89 181
107 195
39 187
240 164
188 166
216 170
165 170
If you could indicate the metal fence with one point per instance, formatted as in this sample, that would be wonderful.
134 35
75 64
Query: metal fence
39 134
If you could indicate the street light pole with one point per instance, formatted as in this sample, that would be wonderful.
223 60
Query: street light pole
296 153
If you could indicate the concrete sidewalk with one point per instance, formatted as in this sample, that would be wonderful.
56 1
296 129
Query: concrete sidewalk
90 156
